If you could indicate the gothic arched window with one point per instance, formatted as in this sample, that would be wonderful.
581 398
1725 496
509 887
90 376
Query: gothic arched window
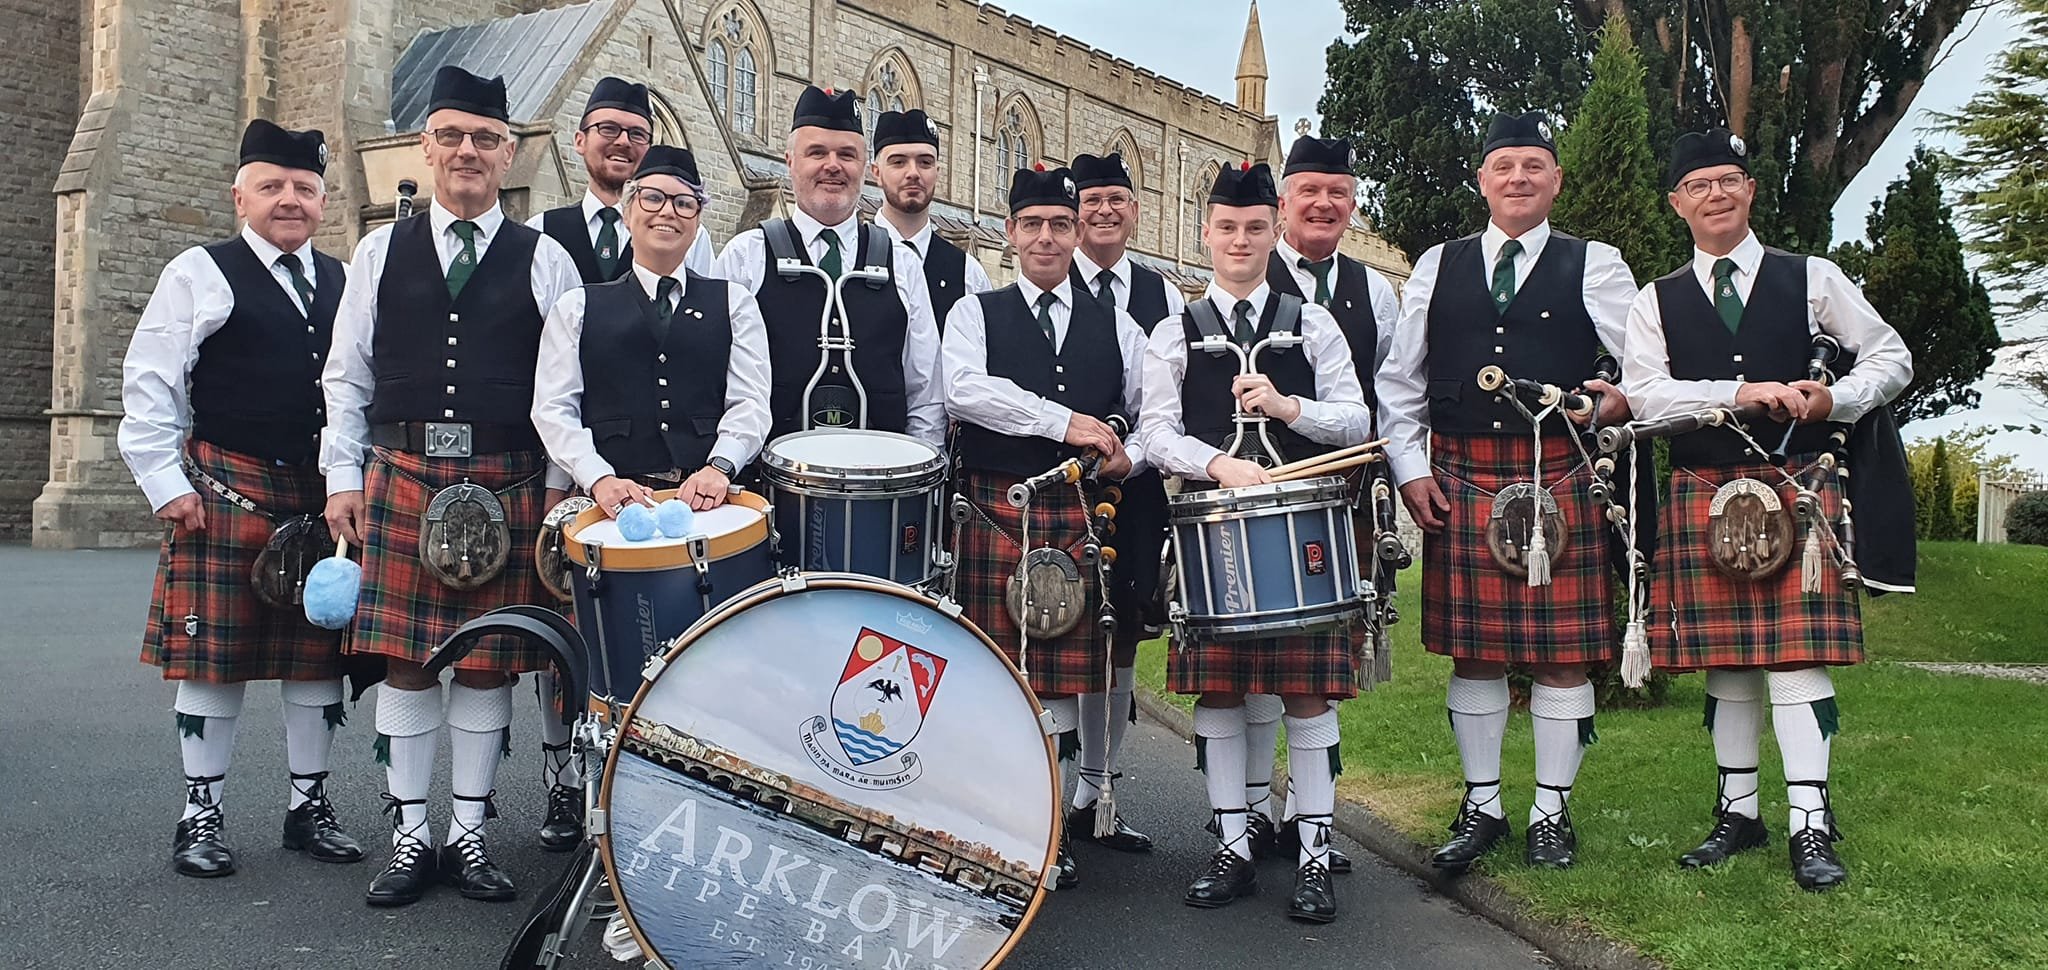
1016 138
736 56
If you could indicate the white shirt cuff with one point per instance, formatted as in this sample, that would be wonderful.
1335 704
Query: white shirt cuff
1408 466
1052 420
165 487
589 470
345 478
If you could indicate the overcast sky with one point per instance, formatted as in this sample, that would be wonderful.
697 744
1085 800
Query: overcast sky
1298 32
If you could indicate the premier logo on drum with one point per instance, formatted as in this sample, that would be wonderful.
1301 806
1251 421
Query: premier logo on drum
884 693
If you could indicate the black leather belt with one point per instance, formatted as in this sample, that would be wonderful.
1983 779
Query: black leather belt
454 439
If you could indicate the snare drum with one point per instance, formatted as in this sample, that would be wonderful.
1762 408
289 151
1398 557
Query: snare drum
830 764
1265 560
632 598
856 501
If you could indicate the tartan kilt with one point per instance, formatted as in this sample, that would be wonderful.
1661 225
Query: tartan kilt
232 637
1323 664
1069 664
1701 617
1474 610
404 612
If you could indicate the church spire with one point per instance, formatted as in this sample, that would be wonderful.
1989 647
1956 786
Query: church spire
1251 67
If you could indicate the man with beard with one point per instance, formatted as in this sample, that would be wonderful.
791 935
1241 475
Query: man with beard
896 339
617 127
907 168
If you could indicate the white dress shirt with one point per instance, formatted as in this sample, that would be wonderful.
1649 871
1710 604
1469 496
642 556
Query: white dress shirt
351 377
1403 380
745 261
1337 415
1386 304
697 261
191 302
1834 306
558 381
974 396
1120 284
920 245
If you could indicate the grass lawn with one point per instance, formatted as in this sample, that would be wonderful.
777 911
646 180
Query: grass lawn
1939 783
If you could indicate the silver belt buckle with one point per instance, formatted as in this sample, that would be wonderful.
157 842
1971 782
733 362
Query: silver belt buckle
448 440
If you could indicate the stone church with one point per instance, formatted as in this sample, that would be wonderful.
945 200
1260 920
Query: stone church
130 111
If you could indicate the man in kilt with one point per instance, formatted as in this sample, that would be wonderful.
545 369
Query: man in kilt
1735 327
1031 372
431 385
1312 394
1539 304
221 426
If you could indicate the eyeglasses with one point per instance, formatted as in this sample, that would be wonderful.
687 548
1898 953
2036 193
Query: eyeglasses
1730 184
611 132
485 141
1033 225
1116 202
652 200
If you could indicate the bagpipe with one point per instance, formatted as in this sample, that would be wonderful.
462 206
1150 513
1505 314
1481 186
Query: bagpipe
1047 594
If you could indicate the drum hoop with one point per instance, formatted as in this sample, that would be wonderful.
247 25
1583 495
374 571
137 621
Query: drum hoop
1187 516
776 466
1303 494
1302 618
641 559
813 482
770 589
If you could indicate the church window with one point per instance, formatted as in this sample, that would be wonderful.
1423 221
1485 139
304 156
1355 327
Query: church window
736 56
1016 134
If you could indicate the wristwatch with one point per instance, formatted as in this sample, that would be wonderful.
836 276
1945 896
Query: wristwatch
724 467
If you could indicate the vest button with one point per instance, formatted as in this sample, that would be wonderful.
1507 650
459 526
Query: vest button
1738 358
1496 426
661 382
450 389
451 362
1061 387
1742 377
664 405
1500 350
664 426
454 318
661 358
451 341
447 412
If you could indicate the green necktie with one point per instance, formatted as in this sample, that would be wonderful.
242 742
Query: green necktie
1045 302
830 264
608 242
465 261
1241 317
1727 301
1103 290
290 262
1504 275
1320 269
664 308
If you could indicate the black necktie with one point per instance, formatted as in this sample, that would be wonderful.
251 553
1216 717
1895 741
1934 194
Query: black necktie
1241 316
608 242
290 262
664 308
1045 302
1103 290
1320 269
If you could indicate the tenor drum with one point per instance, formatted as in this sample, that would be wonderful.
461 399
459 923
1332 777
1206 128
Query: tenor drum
1265 560
830 771
856 501
632 598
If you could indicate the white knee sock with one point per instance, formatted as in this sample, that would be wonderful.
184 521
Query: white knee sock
557 768
1311 787
1557 713
1479 716
410 723
207 718
1093 711
308 739
1735 705
1221 734
1261 736
476 740
1799 700
1122 682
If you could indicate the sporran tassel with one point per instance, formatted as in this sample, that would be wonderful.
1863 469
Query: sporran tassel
1539 546
1812 563
1383 658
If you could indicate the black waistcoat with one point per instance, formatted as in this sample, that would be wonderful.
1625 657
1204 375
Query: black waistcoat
945 277
1545 335
568 226
256 381
1086 376
469 359
791 308
650 403
1350 303
1147 304
1206 404
1772 343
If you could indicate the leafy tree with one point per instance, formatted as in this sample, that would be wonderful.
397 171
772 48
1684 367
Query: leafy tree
1941 511
2026 522
1966 456
1913 272
2003 162
1613 187
1814 88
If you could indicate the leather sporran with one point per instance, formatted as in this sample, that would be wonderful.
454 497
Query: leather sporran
1058 595
1750 534
279 575
464 541
1511 526
553 564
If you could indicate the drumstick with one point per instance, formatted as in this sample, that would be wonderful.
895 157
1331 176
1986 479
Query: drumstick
1329 468
1327 457
341 547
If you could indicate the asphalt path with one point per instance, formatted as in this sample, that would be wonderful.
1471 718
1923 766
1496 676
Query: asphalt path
91 789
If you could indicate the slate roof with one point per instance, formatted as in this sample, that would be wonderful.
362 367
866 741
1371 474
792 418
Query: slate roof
532 52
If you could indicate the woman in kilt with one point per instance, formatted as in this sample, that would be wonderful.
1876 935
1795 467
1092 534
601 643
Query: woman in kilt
222 419
1735 326
1031 372
1313 391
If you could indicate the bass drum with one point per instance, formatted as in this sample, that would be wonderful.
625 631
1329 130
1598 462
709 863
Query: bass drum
830 771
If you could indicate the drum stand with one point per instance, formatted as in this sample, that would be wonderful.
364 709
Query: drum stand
563 913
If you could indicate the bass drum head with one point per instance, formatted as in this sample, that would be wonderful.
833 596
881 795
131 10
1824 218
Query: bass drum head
832 775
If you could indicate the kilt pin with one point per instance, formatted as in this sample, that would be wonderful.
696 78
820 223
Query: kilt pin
1472 609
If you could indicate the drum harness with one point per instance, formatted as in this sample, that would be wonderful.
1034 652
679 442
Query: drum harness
790 265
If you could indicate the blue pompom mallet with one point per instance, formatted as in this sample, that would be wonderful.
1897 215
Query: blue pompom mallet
675 517
332 586
636 522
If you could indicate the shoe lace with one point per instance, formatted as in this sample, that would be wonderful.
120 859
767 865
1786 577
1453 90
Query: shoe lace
1469 815
1811 843
472 850
564 801
1826 810
1222 863
206 824
316 803
1314 875
1549 833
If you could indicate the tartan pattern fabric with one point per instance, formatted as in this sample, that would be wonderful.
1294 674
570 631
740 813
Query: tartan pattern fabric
1701 617
205 576
404 611
1069 664
1322 664
1474 610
